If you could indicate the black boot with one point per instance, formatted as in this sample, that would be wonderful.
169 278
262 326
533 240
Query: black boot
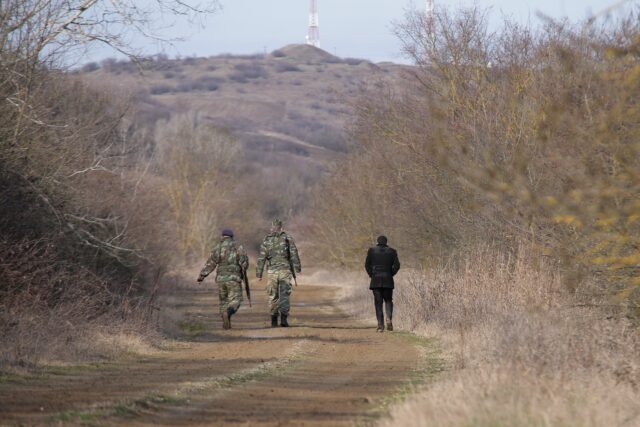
230 312
226 323
389 325
274 320
283 321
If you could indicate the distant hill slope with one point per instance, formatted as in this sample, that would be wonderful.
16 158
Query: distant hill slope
291 102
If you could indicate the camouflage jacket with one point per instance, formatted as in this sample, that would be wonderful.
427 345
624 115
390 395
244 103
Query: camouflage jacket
228 258
275 251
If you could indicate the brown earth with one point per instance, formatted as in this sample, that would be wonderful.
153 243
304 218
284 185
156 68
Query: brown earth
325 370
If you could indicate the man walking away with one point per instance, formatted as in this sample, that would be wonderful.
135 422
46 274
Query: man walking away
382 264
278 251
232 262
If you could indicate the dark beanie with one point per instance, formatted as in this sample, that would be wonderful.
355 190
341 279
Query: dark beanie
382 240
227 232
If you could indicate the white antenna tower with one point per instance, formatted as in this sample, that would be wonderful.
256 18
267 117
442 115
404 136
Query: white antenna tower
313 37
431 16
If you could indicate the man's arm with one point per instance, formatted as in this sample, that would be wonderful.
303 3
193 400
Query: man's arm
367 264
262 258
211 264
243 258
396 263
295 258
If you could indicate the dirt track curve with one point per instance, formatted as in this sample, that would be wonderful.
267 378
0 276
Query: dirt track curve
325 370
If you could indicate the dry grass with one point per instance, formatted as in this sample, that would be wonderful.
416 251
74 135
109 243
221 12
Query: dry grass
521 351
52 338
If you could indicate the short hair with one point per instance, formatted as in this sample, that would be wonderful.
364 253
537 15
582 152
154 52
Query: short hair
382 240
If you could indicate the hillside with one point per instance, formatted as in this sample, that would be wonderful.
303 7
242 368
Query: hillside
293 101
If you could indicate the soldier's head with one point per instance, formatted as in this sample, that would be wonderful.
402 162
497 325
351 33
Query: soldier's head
227 232
382 240
276 225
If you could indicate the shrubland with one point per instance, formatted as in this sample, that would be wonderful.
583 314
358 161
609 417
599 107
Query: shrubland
505 169
84 238
108 193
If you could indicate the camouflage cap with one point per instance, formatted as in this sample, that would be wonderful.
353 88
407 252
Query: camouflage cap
276 222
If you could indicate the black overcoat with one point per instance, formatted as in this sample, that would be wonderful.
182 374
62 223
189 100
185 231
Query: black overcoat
382 264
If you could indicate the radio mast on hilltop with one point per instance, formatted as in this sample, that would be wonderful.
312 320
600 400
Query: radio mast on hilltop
430 15
313 37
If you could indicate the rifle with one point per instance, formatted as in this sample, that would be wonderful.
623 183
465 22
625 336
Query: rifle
293 270
245 279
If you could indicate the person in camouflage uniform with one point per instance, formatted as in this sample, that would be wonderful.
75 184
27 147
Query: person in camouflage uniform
278 251
231 261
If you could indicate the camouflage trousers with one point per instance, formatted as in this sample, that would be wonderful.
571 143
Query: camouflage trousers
230 294
279 291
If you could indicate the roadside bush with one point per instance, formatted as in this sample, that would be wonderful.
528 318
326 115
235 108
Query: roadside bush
83 236
506 173
73 247
523 134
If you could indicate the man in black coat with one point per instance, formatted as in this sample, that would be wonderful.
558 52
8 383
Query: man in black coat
382 264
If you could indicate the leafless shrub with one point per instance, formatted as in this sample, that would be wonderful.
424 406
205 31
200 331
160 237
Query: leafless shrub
203 83
252 70
489 132
332 60
161 89
198 161
78 218
285 67
514 143
90 67
189 61
354 61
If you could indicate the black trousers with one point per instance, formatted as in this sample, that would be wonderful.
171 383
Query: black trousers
380 295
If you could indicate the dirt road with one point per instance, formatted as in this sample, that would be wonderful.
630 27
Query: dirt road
325 370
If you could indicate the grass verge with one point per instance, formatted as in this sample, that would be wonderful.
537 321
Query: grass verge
429 366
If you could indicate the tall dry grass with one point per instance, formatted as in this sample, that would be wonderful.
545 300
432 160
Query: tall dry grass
520 350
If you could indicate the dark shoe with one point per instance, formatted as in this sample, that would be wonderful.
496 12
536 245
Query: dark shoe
389 326
230 312
283 321
274 321
226 323
380 328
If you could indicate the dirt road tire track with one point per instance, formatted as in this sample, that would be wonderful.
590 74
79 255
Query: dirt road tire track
326 370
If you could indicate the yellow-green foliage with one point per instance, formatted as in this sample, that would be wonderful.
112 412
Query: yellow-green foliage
501 137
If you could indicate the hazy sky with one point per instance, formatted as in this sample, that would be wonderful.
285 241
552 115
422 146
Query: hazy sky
349 28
